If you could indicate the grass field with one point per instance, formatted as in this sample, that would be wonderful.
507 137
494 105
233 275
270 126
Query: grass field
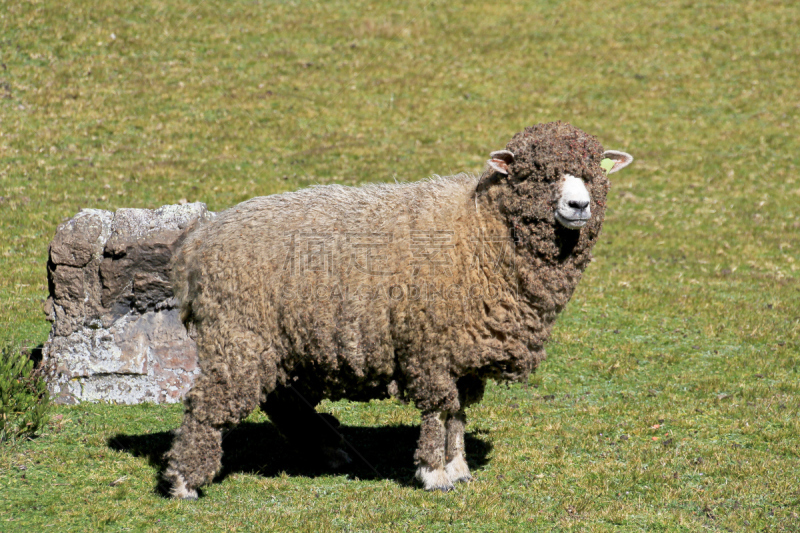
669 401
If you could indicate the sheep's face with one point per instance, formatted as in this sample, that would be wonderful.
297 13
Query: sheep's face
572 209
572 199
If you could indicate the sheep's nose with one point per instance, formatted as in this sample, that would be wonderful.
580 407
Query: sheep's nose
575 204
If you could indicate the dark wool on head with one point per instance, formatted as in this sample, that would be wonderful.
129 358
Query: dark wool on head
551 258
417 290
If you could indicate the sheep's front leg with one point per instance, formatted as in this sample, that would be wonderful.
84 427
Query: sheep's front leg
456 467
430 454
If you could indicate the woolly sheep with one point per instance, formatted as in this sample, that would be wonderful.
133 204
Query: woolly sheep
421 291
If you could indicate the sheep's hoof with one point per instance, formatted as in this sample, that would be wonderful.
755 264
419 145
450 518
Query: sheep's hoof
458 471
441 488
336 457
180 491
434 479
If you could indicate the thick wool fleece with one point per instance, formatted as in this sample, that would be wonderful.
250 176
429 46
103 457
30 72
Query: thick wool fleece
550 258
400 289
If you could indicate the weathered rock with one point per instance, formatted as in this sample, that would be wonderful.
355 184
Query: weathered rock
116 335
81 238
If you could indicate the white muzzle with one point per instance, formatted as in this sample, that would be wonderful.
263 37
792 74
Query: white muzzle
573 210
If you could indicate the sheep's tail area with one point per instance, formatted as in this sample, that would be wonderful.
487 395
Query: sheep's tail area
184 272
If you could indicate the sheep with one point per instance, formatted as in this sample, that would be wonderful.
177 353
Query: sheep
421 291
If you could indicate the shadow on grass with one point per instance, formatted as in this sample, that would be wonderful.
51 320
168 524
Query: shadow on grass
384 452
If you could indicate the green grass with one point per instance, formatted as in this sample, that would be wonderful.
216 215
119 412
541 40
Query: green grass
689 319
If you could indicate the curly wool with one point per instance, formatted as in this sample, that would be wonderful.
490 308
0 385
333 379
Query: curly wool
278 300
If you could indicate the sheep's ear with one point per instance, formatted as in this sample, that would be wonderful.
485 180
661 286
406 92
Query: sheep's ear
500 160
620 160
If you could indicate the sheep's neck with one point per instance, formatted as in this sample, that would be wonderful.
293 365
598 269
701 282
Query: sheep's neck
548 260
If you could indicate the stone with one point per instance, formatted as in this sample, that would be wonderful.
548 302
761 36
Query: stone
80 238
116 333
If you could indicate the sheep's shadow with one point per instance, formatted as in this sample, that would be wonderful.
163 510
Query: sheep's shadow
383 452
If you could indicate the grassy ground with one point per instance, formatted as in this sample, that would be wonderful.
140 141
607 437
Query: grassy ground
670 398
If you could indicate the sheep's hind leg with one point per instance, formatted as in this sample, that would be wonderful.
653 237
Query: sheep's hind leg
456 467
430 454
194 459
316 434
220 397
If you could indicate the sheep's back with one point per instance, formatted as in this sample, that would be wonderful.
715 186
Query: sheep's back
324 274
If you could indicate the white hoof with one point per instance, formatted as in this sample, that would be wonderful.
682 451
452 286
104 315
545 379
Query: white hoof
179 491
434 479
457 470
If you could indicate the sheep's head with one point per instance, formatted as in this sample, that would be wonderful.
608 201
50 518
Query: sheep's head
551 183
561 155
